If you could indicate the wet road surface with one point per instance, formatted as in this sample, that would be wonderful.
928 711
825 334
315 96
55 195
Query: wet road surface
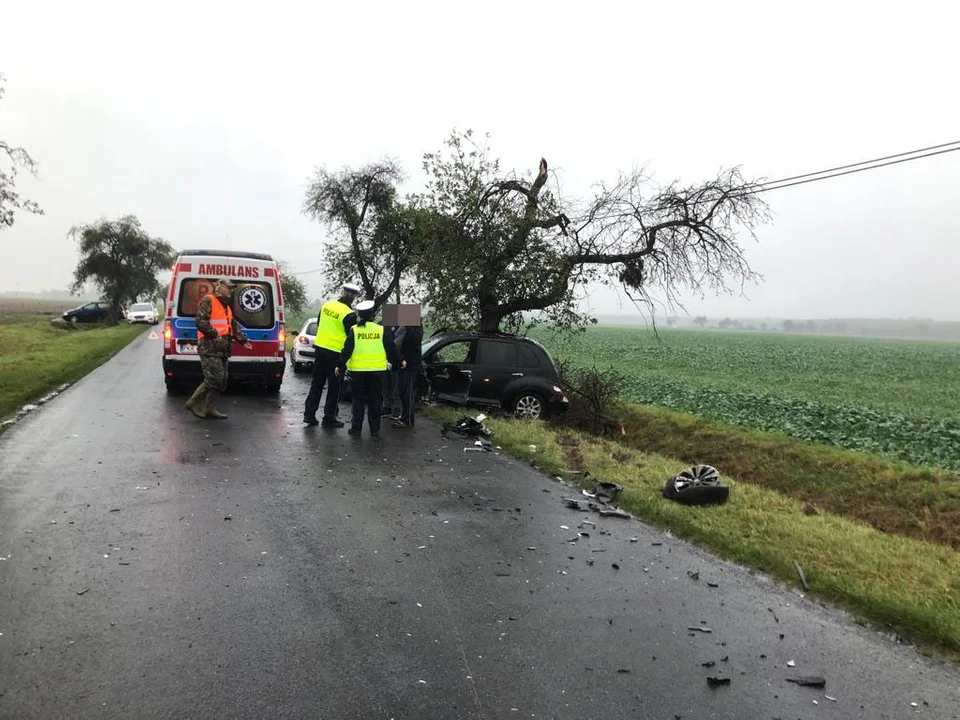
153 565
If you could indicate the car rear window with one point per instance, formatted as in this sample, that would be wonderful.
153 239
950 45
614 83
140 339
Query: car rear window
252 301
311 329
141 307
496 353
528 356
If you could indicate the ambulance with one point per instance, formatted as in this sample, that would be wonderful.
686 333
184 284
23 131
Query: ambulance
257 308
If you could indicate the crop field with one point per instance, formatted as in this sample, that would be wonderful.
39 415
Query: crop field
893 398
14 309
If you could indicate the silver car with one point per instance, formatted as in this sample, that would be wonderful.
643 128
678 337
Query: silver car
142 313
303 352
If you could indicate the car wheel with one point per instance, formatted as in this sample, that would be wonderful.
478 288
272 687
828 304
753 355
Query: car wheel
172 385
272 387
528 406
74 320
298 367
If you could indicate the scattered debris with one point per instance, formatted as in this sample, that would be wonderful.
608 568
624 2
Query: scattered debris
698 485
228 517
717 682
708 664
831 699
694 574
613 512
700 629
615 566
84 591
713 584
468 427
791 663
607 492
809 681
623 671
809 509
803 578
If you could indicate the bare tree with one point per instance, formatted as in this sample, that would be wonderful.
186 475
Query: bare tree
510 247
13 159
371 234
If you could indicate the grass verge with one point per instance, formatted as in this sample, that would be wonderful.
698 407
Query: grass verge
35 357
904 584
919 503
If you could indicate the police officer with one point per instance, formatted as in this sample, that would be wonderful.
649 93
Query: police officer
216 332
366 354
334 321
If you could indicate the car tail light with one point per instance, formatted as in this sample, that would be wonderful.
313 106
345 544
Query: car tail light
303 340
167 335
558 393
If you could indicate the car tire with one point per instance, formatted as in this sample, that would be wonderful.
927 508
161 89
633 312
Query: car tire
297 367
272 387
529 405
173 386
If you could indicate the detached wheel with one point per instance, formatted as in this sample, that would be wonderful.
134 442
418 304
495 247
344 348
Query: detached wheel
528 406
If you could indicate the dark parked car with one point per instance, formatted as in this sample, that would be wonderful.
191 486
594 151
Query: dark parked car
492 370
91 312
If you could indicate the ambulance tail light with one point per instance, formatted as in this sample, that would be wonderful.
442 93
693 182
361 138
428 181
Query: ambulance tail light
167 335
281 342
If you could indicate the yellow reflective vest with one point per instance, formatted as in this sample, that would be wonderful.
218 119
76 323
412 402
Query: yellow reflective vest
330 332
368 354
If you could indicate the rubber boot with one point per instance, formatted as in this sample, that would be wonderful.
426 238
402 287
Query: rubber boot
197 402
211 403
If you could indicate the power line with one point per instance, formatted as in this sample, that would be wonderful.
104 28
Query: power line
863 162
765 187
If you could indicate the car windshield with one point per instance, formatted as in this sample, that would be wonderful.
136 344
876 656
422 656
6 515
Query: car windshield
426 345
139 307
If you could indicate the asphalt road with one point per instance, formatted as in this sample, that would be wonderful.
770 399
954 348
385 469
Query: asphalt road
153 565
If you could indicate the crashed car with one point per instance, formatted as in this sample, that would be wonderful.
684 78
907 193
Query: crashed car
487 370
493 370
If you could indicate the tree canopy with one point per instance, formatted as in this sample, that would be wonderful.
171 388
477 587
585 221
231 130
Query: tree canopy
493 250
295 298
121 259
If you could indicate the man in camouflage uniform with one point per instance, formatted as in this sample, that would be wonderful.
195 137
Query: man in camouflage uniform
214 350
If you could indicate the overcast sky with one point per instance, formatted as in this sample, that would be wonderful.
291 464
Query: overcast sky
206 119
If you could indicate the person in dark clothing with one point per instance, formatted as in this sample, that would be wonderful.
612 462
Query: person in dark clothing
333 325
391 381
409 338
365 354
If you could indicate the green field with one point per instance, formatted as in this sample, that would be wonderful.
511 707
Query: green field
893 398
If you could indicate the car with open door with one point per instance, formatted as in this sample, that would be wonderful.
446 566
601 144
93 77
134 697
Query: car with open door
493 370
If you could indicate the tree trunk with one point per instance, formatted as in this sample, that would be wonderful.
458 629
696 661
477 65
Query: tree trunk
490 318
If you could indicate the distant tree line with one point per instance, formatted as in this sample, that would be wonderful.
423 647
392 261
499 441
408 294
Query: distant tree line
911 328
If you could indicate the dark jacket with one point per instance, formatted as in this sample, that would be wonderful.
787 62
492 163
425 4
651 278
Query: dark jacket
411 338
209 343
393 355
